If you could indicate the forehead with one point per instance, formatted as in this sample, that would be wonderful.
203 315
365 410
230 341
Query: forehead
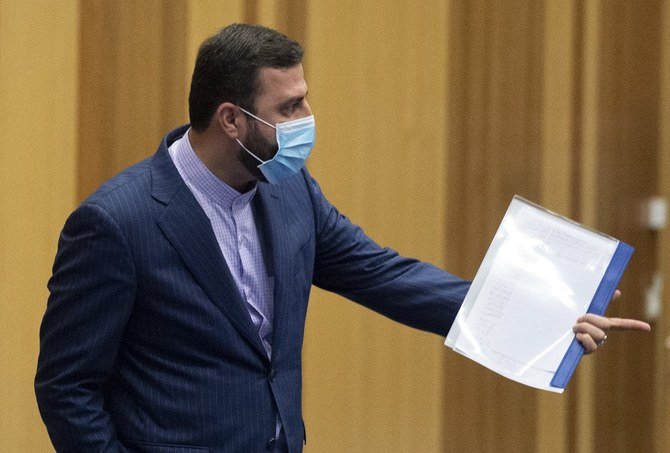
276 85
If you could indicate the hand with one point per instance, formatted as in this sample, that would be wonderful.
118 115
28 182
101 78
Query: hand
592 329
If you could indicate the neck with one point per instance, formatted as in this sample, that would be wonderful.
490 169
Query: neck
218 154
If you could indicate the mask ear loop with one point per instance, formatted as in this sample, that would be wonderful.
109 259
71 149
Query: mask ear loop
252 154
259 119
262 121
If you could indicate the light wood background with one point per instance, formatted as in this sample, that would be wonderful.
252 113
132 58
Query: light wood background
431 114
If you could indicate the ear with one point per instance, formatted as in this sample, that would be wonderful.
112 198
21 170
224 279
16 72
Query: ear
228 119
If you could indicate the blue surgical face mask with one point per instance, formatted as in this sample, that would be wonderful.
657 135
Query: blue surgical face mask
295 140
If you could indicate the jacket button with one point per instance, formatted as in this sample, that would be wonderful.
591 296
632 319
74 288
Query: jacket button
273 375
271 444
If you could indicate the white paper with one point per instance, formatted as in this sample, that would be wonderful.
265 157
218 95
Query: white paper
538 276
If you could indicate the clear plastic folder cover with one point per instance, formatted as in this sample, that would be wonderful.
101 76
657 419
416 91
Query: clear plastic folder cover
539 275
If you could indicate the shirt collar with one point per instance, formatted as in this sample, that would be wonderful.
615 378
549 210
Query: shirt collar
198 176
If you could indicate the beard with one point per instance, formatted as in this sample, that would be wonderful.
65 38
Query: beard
258 145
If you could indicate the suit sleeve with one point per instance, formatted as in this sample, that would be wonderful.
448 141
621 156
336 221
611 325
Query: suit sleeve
92 291
406 290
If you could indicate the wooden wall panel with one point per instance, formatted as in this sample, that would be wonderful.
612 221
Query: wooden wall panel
377 91
332 356
287 16
586 132
203 19
495 95
661 433
600 101
132 83
557 178
627 154
38 86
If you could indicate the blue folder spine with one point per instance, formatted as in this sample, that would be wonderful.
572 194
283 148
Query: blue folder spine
601 300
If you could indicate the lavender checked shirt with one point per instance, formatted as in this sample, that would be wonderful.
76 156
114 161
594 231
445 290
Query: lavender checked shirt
235 229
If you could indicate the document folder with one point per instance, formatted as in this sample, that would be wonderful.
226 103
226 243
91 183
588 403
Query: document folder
598 305
541 272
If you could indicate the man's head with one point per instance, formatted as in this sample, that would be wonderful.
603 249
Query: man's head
228 65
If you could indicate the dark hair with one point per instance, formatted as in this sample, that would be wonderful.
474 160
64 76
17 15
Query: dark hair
227 65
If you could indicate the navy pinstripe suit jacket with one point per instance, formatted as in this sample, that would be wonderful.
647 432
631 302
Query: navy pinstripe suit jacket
146 343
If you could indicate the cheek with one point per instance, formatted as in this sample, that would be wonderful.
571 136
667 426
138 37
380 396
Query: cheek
270 139
267 146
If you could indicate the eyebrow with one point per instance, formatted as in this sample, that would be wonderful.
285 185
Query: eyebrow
294 99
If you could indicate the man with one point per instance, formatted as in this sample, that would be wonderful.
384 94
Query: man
180 287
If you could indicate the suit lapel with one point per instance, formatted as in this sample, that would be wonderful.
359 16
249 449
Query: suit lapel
271 214
189 230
